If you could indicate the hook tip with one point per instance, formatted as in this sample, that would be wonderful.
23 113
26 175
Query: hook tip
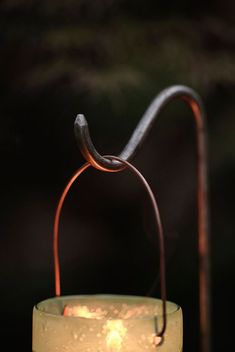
80 121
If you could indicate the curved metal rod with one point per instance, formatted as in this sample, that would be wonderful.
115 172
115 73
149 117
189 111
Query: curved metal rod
90 153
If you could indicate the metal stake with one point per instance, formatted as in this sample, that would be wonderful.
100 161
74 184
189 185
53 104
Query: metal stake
140 133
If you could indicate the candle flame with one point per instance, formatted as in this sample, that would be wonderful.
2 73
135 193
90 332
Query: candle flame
115 333
83 312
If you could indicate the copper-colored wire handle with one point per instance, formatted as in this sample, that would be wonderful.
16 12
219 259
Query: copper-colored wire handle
159 229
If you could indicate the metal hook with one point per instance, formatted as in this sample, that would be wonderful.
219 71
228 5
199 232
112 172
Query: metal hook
140 133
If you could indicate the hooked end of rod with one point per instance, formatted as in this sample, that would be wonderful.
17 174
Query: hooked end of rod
80 122
88 150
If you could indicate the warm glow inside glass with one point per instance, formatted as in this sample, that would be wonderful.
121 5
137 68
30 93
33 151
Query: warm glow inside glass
100 323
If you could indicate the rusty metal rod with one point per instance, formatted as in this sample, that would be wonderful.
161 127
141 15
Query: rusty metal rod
140 133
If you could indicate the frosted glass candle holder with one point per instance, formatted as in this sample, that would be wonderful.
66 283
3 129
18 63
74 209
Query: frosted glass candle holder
104 323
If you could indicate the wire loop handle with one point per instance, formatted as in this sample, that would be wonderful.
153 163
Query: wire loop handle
158 224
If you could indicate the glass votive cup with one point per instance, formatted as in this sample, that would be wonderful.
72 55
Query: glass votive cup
105 323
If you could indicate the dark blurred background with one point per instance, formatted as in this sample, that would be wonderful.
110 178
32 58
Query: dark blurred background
108 59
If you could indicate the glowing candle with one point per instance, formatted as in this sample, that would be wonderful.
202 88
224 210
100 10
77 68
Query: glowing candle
104 323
